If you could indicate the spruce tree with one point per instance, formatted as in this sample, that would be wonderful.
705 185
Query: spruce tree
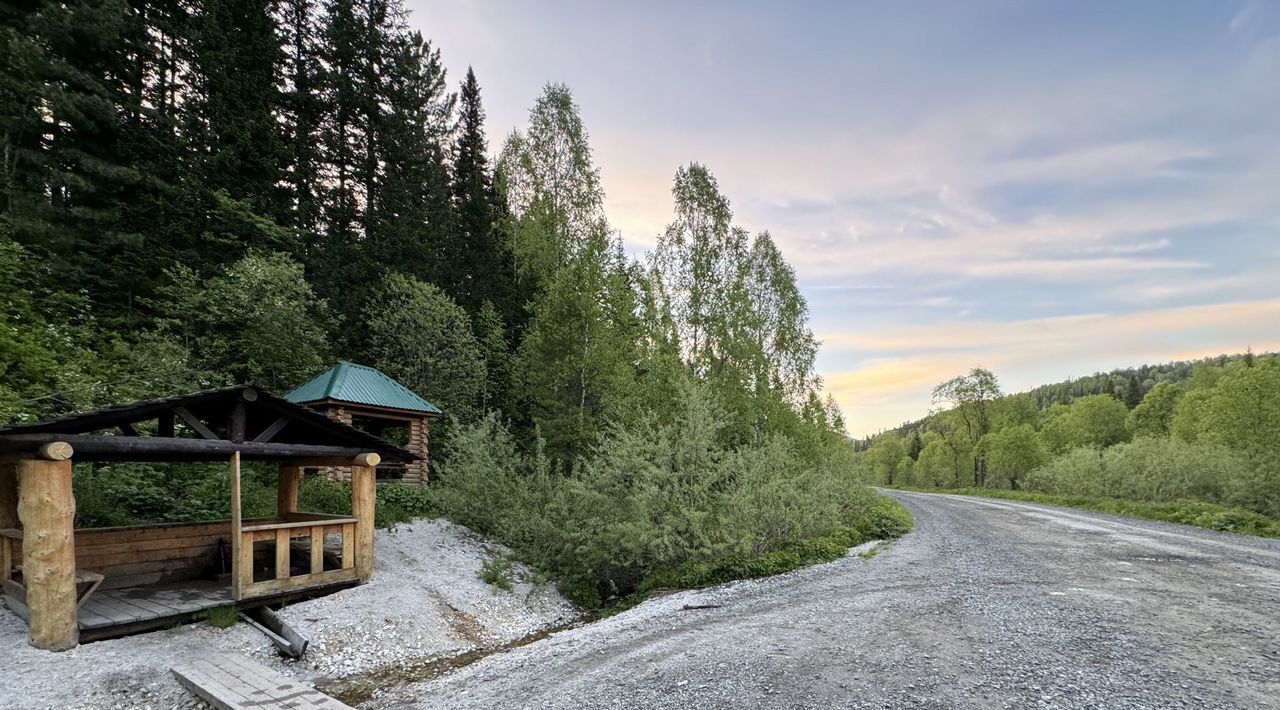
485 270
74 128
410 224
301 112
233 100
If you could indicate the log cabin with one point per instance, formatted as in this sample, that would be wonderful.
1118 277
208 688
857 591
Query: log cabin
74 585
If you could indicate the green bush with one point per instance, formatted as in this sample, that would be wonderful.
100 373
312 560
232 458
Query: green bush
320 494
395 504
498 571
662 503
1151 469
141 494
884 520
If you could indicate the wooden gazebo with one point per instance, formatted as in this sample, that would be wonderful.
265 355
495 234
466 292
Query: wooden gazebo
371 401
94 583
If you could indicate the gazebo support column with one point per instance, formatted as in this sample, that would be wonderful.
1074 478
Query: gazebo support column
287 490
363 503
47 509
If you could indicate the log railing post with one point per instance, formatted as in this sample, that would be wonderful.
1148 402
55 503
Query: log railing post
363 503
47 510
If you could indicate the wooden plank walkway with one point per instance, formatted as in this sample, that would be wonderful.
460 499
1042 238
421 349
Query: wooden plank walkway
231 682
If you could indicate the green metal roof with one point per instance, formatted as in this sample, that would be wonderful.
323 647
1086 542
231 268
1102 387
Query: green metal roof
358 384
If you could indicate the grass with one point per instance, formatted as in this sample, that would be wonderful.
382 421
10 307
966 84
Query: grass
1186 512
499 571
223 617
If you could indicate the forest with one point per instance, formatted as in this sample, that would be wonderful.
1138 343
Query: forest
1192 442
197 194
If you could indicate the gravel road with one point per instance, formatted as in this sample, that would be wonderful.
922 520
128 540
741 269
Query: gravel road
988 604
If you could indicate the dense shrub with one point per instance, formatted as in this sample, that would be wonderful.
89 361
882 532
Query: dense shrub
662 503
138 494
1151 468
144 494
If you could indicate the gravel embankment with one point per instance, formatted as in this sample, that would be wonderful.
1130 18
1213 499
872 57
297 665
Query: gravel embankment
988 604
425 600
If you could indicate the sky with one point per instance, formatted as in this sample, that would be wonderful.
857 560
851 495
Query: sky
1043 189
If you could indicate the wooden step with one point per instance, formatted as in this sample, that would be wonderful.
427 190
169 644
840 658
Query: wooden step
231 682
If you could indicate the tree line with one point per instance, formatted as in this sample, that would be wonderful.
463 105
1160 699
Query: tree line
1128 384
1208 435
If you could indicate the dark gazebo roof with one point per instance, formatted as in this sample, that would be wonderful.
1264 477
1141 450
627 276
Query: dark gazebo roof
215 423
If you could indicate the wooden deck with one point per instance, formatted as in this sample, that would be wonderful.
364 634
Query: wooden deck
111 613
230 682
132 606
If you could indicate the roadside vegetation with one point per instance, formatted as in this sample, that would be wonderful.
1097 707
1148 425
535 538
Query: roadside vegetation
245 192
1197 446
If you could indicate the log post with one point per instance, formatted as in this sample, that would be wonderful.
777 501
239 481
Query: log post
238 571
287 490
363 502
8 494
47 510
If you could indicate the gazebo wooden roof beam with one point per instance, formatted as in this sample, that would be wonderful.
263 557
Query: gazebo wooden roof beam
145 449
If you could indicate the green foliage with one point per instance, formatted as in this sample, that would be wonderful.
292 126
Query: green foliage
257 321
1096 420
659 496
420 337
968 398
1153 416
404 504
552 186
395 504
222 617
577 362
1152 468
1011 453
935 467
498 571
884 519
730 308
885 457
110 495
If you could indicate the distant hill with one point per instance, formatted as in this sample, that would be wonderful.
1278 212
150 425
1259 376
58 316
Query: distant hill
1120 382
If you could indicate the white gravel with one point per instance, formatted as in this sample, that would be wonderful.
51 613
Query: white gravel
425 600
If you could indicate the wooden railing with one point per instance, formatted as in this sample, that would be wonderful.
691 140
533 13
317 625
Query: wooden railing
315 528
